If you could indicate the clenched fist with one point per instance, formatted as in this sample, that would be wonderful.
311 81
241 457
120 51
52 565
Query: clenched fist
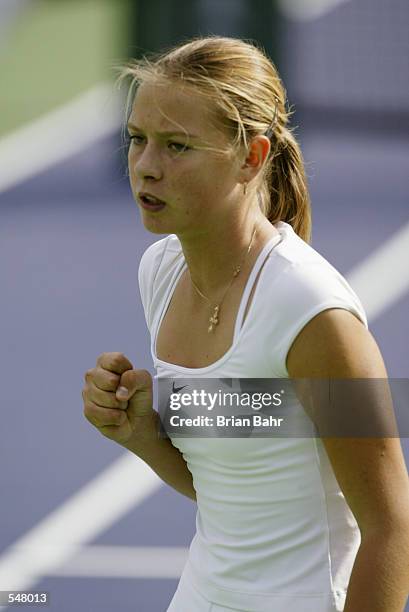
118 399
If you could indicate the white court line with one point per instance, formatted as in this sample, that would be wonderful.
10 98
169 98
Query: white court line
124 562
51 139
89 512
382 278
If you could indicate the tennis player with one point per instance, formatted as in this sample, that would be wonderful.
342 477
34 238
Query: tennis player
234 290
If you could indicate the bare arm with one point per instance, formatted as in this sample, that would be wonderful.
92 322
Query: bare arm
370 471
130 419
164 459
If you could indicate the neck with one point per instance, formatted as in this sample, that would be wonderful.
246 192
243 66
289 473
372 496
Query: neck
213 255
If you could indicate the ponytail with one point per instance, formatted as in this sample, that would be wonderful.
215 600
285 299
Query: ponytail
287 188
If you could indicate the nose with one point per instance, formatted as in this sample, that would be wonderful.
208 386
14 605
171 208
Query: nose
145 163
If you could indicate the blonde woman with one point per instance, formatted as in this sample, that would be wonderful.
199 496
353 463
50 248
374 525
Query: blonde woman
236 291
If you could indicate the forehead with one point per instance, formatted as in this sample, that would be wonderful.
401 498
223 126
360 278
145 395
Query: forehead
164 107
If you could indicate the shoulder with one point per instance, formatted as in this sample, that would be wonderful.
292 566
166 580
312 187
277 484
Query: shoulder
335 344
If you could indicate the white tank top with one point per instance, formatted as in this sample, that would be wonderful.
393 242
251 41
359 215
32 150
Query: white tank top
273 529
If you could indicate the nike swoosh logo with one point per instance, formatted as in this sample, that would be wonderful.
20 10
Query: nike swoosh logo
177 389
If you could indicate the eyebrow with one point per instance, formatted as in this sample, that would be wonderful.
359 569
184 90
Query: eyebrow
165 134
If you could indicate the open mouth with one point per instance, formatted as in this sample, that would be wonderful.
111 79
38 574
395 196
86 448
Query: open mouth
149 202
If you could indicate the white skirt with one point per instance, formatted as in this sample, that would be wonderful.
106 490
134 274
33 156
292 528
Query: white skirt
188 599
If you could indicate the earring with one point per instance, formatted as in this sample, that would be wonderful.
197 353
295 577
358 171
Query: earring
245 188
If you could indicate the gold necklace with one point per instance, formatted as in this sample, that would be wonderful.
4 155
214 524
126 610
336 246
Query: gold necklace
214 319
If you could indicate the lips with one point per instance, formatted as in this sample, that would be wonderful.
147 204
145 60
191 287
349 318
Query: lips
150 202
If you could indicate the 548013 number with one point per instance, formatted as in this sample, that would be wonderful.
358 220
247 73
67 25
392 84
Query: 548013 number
24 597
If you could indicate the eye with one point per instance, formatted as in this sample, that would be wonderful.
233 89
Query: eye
178 147
136 139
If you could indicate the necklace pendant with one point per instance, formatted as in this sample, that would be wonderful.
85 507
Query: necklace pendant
214 319
236 271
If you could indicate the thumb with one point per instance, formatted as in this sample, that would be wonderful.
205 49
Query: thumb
136 387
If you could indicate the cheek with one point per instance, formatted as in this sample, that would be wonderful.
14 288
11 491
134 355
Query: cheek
131 162
184 182
199 190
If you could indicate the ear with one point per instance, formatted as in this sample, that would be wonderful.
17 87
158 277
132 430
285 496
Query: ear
257 153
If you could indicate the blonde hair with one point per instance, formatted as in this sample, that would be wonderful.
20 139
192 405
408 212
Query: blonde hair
251 100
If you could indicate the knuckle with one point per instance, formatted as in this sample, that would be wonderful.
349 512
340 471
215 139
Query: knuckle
100 358
112 381
117 359
146 374
87 412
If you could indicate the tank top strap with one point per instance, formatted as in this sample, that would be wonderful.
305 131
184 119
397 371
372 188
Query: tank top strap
262 256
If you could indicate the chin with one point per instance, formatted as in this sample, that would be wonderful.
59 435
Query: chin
155 226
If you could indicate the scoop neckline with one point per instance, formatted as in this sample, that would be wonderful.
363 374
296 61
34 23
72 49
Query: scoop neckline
262 256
